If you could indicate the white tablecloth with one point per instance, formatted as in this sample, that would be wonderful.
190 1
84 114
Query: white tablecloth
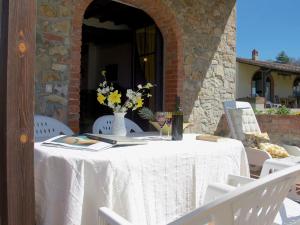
147 184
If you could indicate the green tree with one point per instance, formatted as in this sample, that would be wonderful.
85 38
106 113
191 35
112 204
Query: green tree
282 57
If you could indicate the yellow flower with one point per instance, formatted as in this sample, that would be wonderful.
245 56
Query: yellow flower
139 103
114 97
101 98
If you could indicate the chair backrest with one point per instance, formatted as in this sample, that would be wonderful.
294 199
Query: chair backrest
243 123
257 202
46 127
103 125
274 165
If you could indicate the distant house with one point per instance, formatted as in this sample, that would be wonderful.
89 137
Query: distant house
276 82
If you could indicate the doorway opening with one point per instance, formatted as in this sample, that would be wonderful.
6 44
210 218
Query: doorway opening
126 43
262 85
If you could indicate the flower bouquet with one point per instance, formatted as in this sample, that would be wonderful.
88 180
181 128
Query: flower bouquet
109 96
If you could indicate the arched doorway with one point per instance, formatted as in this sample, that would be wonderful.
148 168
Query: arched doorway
296 87
173 53
126 43
262 85
257 85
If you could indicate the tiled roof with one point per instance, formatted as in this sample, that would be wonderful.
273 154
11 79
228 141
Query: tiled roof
285 68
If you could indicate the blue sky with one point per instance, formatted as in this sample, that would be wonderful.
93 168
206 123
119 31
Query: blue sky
269 26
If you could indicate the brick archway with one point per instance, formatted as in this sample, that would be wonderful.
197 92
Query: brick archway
173 53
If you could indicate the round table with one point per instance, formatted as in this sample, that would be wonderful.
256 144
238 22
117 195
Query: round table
147 184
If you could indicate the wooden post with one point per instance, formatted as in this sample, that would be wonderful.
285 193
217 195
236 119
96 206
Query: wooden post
17 59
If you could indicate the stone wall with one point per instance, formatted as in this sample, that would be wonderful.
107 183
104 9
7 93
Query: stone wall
53 58
209 59
199 61
281 129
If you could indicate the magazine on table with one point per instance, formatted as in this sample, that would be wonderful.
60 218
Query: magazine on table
80 142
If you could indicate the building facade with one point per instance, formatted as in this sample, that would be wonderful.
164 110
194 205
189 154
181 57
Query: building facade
198 59
283 85
276 82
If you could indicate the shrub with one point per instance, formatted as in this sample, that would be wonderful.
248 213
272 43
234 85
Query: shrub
283 110
271 111
258 111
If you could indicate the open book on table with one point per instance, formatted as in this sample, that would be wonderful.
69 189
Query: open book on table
81 142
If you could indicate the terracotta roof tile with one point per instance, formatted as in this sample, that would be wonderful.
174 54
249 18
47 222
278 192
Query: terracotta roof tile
287 68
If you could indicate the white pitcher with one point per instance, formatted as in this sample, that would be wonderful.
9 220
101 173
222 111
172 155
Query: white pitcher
118 124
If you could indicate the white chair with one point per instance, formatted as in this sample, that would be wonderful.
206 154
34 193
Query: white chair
255 158
248 123
103 125
289 212
255 203
270 104
273 165
46 127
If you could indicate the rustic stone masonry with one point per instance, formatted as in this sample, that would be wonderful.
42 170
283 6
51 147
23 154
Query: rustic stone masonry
199 56
282 129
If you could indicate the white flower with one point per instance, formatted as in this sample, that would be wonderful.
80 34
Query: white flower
123 109
110 105
149 95
133 98
105 90
117 108
148 85
140 86
138 95
98 90
104 83
129 93
129 105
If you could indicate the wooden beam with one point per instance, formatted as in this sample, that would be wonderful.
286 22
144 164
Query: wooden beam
17 59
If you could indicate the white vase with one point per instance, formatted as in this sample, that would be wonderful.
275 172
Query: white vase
118 124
